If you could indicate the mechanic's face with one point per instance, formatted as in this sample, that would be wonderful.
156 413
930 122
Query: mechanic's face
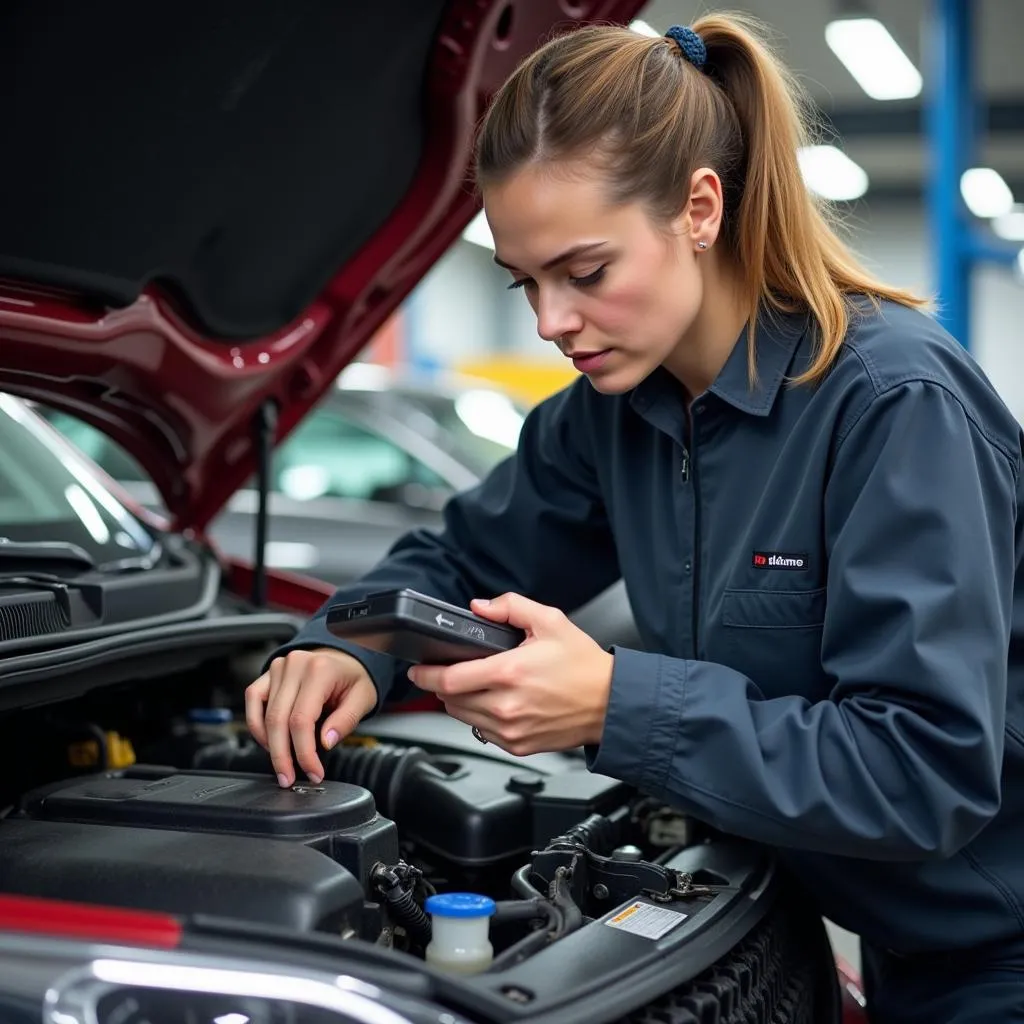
614 291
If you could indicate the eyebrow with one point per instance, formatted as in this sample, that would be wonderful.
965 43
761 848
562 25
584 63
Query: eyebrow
569 254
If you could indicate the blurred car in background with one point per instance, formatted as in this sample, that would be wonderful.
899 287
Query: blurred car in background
379 456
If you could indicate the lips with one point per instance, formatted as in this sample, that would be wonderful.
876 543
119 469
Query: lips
587 362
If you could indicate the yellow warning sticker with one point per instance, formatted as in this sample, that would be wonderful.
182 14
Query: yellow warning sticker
647 921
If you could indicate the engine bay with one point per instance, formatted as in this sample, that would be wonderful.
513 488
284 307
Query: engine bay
152 796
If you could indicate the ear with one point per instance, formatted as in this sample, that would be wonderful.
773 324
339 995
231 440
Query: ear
701 218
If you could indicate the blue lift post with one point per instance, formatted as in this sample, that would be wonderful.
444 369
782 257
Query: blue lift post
958 245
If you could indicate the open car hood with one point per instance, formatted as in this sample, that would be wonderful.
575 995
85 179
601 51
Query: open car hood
213 208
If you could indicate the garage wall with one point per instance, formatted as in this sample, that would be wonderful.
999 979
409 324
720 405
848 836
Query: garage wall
463 309
459 310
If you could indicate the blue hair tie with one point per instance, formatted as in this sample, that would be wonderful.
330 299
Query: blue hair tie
690 43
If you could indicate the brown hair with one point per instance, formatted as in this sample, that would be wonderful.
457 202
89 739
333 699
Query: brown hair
650 118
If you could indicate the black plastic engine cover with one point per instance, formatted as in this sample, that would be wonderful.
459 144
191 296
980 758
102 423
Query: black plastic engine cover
474 812
472 806
183 873
335 818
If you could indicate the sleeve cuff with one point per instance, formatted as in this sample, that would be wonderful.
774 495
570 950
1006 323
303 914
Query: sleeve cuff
381 668
641 726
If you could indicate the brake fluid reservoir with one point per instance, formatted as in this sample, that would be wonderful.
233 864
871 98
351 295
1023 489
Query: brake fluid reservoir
460 940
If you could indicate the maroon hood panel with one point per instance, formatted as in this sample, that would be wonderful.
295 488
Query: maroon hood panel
201 219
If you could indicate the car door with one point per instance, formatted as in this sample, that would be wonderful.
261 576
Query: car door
341 494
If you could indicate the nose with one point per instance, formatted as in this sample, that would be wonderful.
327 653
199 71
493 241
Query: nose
556 317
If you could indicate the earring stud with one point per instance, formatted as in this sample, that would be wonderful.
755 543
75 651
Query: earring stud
702 245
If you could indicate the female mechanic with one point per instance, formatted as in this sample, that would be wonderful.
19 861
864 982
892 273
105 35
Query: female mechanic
812 493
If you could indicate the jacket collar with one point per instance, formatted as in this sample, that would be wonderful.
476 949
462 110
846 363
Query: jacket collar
777 337
776 340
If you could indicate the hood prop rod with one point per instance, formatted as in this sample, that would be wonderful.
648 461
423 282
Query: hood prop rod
266 432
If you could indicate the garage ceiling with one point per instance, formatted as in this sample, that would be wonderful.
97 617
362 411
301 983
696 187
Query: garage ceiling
886 138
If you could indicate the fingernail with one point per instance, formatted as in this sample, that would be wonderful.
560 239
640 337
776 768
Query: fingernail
282 781
316 779
483 600
330 739
412 675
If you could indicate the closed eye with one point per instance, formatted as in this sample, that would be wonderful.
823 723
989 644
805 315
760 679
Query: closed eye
589 280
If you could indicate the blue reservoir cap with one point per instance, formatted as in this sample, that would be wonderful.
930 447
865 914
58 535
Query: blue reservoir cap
210 716
460 904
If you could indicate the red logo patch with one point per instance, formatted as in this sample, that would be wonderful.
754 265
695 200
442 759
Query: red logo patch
780 560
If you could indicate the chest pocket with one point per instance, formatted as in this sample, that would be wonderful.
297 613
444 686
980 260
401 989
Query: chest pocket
774 609
774 638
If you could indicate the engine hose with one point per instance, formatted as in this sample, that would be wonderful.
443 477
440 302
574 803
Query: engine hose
406 911
532 942
381 769
536 908
402 905
596 833
522 885
507 911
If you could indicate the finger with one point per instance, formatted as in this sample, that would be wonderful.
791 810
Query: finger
318 682
354 707
484 702
520 612
428 677
466 677
256 694
279 707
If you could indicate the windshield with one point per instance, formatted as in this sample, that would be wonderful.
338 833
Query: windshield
47 493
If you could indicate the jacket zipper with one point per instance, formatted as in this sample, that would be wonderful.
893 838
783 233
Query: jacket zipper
696 564
690 475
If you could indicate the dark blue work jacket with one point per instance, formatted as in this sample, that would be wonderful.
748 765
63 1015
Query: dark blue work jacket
829 583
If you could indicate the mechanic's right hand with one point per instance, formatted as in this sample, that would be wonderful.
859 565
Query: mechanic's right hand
283 706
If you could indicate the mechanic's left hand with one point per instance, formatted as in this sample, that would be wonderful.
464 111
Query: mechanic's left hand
550 693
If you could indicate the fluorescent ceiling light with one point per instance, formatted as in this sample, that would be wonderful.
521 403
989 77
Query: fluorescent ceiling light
478 232
1010 225
985 192
874 58
831 173
638 25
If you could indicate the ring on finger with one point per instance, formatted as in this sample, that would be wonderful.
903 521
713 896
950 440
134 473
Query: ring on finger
479 735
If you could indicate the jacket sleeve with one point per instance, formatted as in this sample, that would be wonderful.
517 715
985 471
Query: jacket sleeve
536 525
903 759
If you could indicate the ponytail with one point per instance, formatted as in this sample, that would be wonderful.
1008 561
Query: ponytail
785 241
